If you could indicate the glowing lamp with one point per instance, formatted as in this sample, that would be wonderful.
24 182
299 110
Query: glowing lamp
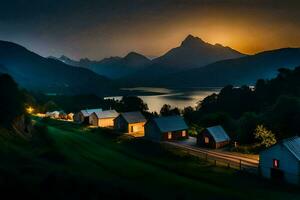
29 109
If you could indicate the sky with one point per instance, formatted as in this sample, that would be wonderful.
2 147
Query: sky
100 28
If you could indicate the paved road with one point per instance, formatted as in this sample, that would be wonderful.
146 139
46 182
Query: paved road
226 157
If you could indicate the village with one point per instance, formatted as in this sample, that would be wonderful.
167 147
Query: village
279 163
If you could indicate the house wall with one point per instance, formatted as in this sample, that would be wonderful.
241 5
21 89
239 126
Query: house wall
201 140
221 144
287 163
93 120
120 124
107 122
176 135
78 117
212 143
136 127
152 132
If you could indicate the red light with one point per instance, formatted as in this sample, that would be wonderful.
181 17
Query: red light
276 163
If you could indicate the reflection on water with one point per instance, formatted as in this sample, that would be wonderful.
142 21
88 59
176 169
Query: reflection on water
175 97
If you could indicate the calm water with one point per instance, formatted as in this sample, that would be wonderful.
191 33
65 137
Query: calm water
175 97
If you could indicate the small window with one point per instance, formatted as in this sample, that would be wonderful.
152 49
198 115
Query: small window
206 140
169 135
131 128
183 133
275 163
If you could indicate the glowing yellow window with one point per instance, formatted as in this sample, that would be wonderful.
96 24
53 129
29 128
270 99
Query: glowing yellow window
183 133
169 135
206 140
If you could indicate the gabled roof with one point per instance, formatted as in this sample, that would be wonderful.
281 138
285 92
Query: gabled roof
170 123
218 133
133 117
107 114
293 145
88 112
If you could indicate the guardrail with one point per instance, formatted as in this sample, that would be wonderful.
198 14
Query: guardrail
219 159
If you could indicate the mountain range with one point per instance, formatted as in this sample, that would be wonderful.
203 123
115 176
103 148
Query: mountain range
240 71
113 67
194 63
193 52
34 72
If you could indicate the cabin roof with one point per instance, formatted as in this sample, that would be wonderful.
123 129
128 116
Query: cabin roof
133 117
88 112
218 133
170 123
106 114
293 145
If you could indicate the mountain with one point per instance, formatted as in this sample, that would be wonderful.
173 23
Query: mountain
113 67
244 70
192 53
48 75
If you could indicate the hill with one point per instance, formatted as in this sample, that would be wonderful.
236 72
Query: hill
113 67
34 72
244 70
69 161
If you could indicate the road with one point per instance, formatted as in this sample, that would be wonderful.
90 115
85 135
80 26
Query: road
229 158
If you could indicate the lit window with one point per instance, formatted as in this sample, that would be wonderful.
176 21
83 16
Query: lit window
183 133
275 163
169 135
206 140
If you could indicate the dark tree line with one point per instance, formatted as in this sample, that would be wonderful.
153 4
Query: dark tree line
12 100
274 103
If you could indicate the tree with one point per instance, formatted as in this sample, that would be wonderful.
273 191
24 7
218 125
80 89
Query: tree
265 137
283 116
11 100
246 126
167 110
132 103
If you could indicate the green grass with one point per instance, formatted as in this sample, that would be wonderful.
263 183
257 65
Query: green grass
70 161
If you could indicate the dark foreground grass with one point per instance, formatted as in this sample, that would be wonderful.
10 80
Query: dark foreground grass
68 161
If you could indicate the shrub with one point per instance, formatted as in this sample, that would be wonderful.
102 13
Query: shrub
265 137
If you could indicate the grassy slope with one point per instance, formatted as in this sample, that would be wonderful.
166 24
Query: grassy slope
80 162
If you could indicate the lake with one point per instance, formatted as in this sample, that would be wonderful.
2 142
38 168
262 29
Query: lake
155 98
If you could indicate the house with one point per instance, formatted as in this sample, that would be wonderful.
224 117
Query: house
213 137
83 115
70 116
166 128
281 161
103 118
130 122
53 114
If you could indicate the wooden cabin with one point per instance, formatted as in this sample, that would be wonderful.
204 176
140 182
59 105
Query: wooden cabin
70 116
166 128
281 162
130 122
83 115
213 137
103 118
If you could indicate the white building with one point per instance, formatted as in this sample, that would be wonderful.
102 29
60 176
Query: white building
83 115
281 162
103 118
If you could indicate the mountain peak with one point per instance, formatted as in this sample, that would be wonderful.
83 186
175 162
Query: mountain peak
134 55
192 40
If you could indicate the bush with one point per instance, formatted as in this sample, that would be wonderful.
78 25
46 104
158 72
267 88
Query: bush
265 137
246 127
